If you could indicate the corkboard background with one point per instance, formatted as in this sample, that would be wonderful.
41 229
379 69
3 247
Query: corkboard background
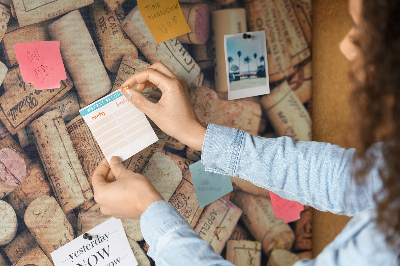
331 88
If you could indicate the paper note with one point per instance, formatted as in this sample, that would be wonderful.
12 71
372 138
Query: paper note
118 126
209 186
287 210
41 64
164 19
108 246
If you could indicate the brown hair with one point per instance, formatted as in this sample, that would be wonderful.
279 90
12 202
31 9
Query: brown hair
376 107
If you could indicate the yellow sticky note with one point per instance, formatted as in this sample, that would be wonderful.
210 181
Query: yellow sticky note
164 18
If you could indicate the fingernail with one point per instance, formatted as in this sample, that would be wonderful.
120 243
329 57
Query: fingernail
128 93
115 160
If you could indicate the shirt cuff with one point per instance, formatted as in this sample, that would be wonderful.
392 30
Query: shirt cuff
221 150
159 218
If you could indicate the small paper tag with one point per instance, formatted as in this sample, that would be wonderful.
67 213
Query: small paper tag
164 19
41 64
209 186
108 246
118 126
246 64
287 210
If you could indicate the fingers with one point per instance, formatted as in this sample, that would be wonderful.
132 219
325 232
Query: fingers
149 75
100 174
116 166
140 102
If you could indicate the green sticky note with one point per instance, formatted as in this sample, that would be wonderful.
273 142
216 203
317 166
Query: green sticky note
209 186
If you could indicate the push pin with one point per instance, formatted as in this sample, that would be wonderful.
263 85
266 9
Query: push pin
246 36
125 88
87 236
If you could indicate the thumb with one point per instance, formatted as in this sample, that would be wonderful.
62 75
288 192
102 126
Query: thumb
139 101
117 168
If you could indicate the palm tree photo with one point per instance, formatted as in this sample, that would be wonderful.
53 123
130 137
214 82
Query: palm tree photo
230 60
247 60
239 53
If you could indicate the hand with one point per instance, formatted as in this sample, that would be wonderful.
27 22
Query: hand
126 197
174 113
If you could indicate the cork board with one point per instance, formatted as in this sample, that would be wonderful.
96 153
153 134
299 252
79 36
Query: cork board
331 88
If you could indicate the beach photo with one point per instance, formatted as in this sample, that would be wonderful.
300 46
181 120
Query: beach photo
246 65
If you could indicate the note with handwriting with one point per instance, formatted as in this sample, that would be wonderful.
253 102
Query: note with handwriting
287 210
118 126
108 246
164 19
209 186
41 64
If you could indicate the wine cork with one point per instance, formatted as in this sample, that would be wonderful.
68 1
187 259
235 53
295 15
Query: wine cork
113 4
12 172
303 10
295 38
171 53
85 146
21 244
34 257
139 254
240 233
88 206
185 200
287 114
305 255
23 103
198 19
48 224
9 224
303 230
264 15
216 223
224 22
259 218
80 57
247 186
243 252
3 72
62 166
36 11
32 33
132 229
163 173
4 18
3 131
282 257
204 55
301 82
112 40
3 261
34 186
182 163
137 162
9 142
239 114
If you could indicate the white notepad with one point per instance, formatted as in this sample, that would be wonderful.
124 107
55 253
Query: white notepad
118 126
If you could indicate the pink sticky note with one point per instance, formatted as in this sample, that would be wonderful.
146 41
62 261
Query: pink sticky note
41 64
287 210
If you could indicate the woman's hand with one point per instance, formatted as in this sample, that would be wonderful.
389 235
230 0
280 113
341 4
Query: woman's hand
126 197
174 113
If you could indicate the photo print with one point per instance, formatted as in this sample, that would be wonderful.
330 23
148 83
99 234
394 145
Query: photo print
246 64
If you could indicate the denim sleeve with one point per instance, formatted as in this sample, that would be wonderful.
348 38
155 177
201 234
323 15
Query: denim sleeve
171 239
312 173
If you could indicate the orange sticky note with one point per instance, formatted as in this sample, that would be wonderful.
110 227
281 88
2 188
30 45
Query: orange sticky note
287 210
41 64
164 18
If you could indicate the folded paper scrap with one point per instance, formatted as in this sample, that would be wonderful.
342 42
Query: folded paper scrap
107 244
118 126
209 186
287 210
41 63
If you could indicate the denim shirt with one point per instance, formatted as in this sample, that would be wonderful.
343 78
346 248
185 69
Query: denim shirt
312 173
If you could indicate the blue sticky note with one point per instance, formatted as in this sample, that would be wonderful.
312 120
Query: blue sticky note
209 186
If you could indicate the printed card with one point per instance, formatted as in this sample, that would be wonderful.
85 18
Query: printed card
108 246
246 64
118 126
209 186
